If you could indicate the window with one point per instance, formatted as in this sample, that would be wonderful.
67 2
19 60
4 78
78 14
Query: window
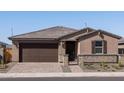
98 43
121 51
98 47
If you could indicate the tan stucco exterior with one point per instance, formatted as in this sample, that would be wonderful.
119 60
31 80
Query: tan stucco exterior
85 45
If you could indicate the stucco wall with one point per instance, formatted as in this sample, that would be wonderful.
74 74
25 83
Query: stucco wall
15 52
86 44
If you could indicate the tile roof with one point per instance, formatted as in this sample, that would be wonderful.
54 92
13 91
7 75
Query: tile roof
49 33
61 33
121 41
75 35
86 32
101 31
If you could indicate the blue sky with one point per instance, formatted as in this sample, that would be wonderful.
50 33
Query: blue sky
23 22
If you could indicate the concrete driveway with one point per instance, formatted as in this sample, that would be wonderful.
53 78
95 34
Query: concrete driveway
36 68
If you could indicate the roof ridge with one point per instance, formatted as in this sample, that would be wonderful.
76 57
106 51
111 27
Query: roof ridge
89 28
87 34
33 31
109 33
105 32
78 32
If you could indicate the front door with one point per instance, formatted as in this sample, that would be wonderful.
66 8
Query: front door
71 50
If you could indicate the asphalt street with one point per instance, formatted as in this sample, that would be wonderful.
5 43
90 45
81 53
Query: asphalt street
64 79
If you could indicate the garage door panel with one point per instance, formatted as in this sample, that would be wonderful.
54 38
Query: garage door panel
34 54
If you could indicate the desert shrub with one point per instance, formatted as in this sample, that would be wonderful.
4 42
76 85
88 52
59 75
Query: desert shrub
102 64
98 70
113 70
8 56
120 64
116 66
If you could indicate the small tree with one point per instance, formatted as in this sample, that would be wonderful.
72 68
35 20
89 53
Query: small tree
8 56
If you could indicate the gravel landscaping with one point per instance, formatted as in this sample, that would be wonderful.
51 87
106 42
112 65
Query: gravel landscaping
102 67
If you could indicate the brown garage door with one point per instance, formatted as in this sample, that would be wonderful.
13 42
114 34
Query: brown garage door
39 52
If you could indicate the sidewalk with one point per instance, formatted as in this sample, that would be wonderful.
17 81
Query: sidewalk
40 75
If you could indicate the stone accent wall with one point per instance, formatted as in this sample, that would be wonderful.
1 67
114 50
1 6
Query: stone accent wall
15 52
80 60
121 58
65 60
61 51
98 58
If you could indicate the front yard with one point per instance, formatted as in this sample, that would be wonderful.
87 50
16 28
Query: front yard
29 67
4 68
102 67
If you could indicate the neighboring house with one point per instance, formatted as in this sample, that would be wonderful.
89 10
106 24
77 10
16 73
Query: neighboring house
121 46
2 49
51 44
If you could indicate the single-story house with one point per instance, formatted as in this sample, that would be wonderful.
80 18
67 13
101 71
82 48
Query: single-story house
51 44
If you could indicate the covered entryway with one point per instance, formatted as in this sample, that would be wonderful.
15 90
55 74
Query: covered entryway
38 52
71 50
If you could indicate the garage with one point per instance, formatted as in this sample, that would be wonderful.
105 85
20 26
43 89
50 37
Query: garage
38 52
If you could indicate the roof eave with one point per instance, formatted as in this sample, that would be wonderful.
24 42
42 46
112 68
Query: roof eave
111 34
32 39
